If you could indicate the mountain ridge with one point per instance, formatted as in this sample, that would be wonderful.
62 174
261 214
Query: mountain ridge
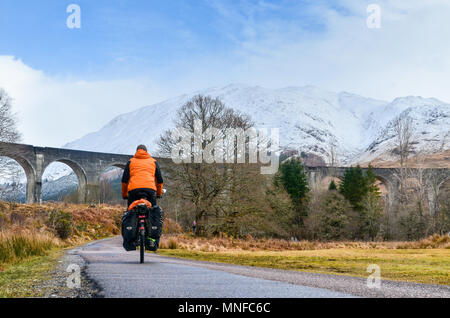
309 118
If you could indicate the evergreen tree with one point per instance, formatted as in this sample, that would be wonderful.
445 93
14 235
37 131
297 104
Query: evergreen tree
371 180
354 186
363 194
337 220
332 186
370 216
292 178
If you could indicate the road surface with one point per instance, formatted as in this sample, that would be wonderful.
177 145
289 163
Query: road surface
118 274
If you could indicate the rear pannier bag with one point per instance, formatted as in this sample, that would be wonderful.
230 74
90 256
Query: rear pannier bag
129 230
156 222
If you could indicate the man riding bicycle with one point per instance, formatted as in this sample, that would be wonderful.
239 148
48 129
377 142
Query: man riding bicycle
142 178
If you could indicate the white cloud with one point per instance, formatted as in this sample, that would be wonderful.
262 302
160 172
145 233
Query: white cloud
407 56
53 111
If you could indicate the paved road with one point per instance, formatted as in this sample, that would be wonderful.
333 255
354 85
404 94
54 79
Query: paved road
118 274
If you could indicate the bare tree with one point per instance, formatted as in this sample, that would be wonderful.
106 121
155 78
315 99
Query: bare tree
332 153
106 192
444 141
437 194
208 187
8 120
420 189
10 170
404 133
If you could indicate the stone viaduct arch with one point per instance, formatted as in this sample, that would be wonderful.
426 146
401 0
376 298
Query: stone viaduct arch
23 155
88 166
79 172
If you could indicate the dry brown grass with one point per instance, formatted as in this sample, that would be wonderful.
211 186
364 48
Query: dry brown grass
221 244
171 227
30 224
88 222
16 246
26 230
424 261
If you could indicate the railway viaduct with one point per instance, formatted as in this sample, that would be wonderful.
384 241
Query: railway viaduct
88 166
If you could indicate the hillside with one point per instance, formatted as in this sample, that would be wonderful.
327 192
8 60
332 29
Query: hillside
309 119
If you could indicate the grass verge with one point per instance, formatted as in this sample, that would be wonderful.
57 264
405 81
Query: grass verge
18 279
32 238
430 266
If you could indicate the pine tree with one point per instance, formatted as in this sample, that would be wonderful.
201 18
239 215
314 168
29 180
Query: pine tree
371 180
363 194
337 220
354 186
292 178
332 186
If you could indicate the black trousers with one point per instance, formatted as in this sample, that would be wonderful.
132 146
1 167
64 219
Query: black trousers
137 194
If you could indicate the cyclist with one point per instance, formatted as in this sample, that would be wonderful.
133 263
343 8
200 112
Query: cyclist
142 178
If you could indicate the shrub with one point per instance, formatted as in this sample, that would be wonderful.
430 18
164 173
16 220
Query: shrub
62 223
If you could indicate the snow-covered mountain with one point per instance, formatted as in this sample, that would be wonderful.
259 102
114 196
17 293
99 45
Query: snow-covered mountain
309 119
57 188
430 128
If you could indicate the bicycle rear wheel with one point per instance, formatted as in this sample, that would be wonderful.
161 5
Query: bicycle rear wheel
142 246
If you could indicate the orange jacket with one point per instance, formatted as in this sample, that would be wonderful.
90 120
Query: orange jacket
142 172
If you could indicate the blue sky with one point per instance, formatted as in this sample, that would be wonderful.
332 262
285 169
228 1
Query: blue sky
119 38
68 82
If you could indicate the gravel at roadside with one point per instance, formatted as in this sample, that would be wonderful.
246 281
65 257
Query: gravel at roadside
57 286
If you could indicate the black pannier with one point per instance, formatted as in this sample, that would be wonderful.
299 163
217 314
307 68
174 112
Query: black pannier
156 222
129 230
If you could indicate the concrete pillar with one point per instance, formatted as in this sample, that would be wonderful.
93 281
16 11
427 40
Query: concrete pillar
38 179
82 193
31 185
30 173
